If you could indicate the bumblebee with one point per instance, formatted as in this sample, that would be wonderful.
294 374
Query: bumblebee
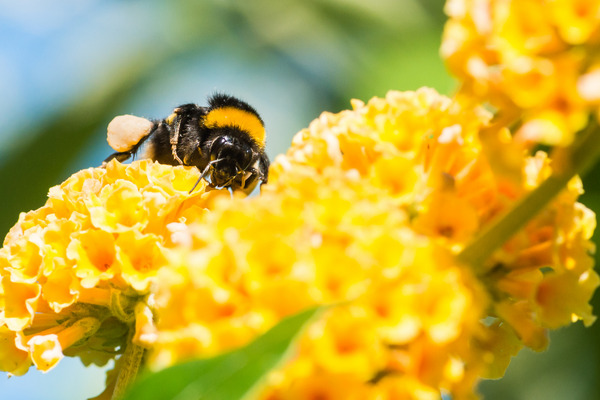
225 141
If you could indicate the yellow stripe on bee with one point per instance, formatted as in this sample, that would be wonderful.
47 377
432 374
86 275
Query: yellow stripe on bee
234 117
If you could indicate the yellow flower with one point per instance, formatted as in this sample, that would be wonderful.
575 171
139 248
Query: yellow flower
332 349
405 388
529 58
325 386
80 269
563 298
19 302
546 263
46 347
96 254
499 346
434 219
577 20
12 359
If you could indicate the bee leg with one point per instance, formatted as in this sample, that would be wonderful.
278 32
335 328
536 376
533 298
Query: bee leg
119 156
203 174
263 168
174 139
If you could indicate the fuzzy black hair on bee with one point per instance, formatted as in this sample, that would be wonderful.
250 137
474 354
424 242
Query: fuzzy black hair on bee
225 141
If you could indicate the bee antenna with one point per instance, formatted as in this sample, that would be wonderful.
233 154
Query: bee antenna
206 169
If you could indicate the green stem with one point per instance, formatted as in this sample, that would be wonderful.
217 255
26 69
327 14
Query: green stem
130 365
567 162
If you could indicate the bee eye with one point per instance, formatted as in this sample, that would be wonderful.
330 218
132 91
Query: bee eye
220 147
248 153
220 142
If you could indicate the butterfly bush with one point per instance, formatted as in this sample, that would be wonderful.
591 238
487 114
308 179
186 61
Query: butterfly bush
535 60
369 208
76 273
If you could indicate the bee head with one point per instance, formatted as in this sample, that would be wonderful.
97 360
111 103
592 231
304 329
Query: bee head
229 157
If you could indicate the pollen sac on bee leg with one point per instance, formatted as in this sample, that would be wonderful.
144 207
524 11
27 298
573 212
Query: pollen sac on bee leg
125 131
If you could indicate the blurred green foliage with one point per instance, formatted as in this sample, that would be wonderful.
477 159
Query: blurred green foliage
335 50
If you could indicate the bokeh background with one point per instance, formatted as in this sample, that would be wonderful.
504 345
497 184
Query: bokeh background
68 66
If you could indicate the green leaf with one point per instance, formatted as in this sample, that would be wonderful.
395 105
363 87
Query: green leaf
229 376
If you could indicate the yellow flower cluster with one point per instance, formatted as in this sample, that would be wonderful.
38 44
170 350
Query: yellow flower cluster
332 239
369 207
76 273
534 56
543 277
442 176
